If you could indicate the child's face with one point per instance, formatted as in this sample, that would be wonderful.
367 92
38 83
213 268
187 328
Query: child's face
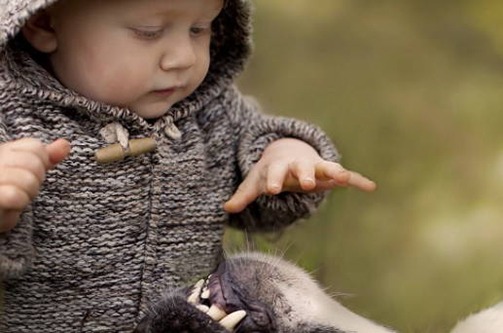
142 54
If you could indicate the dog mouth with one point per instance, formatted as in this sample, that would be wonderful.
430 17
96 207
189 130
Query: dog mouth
208 295
227 298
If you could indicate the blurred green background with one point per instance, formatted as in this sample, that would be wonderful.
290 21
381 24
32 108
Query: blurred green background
411 91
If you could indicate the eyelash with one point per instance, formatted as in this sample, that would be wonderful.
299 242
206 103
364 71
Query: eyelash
197 31
148 34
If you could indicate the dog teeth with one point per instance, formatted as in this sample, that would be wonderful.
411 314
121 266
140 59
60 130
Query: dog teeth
230 321
194 296
202 307
205 294
199 284
216 313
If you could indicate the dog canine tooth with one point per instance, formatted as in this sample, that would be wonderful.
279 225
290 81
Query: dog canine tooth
205 294
230 321
199 284
202 308
216 313
194 296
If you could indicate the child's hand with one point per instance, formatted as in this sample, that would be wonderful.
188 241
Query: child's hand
23 165
294 166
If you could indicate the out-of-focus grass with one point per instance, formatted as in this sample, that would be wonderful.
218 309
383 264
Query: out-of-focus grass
412 93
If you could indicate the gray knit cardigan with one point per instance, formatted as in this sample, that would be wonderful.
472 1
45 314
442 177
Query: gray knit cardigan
100 241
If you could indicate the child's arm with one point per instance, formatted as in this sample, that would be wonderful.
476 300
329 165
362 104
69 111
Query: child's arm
291 165
23 165
264 146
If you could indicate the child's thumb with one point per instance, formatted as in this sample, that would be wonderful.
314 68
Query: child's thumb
8 219
57 151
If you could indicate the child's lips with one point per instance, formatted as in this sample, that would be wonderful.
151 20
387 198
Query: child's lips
165 92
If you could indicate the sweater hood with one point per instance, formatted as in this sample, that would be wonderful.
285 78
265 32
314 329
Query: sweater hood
231 43
230 48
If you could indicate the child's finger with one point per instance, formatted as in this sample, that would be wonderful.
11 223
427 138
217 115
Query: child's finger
8 219
304 172
329 170
324 185
326 170
361 182
246 193
57 151
21 179
276 175
28 145
49 155
27 160
13 198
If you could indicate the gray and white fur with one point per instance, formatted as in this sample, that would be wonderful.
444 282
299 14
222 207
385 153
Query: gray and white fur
277 296
486 321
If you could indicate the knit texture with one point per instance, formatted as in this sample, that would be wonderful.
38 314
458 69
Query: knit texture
101 241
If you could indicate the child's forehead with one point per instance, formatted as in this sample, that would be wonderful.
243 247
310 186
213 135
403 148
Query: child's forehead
208 6
112 10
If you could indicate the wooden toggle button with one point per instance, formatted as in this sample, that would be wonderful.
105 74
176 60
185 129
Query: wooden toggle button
116 152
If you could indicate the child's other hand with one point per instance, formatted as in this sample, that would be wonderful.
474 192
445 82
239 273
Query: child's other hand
294 166
23 166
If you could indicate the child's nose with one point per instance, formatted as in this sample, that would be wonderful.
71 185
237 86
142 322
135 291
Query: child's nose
180 54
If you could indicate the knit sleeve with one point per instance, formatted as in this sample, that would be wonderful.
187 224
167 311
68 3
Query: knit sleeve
255 131
16 249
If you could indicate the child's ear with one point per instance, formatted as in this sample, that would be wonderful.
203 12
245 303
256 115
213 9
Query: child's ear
39 32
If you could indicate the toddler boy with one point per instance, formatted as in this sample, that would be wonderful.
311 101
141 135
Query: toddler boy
85 245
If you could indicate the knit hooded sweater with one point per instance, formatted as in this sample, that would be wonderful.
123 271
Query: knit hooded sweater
101 241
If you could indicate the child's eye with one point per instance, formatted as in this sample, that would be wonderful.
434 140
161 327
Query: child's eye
147 33
200 30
